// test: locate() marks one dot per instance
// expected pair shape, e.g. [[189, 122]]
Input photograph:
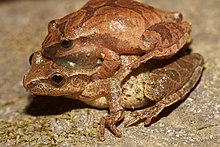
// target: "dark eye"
[[30, 58], [66, 43], [57, 79]]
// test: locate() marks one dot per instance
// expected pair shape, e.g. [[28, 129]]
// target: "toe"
[[130, 122]]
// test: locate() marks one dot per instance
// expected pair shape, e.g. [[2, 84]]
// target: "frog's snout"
[[30, 84]]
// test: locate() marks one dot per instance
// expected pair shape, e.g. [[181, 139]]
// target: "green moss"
[[38, 131]]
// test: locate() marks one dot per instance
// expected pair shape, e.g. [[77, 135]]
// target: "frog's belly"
[[126, 102], [132, 92]]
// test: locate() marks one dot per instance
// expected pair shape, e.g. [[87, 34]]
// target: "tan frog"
[[163, 82], [103, 30]]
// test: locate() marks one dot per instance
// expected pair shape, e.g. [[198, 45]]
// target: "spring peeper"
[[103, 30], [163, 82]]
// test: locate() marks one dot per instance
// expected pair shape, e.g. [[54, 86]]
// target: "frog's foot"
[[109, 122], [145, 115]]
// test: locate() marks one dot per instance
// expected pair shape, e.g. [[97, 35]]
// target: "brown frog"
[[163, 82], [103, 30]]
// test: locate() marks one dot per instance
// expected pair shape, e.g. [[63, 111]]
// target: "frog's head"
[[81, 52], [68, 42], [47, 78]]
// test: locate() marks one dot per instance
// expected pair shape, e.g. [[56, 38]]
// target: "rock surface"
[[44, 121]]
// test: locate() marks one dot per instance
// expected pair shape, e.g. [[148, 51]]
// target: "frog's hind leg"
[[148, 113], [163, 40]]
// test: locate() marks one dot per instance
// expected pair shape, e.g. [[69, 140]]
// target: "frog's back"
[[124, 19]]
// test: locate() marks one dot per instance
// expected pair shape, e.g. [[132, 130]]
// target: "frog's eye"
[[30, 58], [57, 79], [66, 43]]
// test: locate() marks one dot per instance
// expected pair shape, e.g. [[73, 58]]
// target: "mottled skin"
[[103, 30], [164, 82]]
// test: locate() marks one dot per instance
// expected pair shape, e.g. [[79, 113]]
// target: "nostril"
[[53, 23]]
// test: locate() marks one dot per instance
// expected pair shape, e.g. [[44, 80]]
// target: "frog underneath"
[[164, 82]]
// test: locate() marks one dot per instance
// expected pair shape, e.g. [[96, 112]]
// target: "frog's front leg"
[[116, 114], [163, 40], [169, 85], [110, 89], [110, 64]]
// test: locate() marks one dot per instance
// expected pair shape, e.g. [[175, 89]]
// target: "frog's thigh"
[[185, 89], [163, 40], [174, 77], [176, 96], [166, 38]]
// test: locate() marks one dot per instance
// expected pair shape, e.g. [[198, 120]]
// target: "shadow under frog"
[[46, 105]]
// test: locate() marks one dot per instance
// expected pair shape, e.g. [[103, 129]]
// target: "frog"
[[103, 30], [161, 82]]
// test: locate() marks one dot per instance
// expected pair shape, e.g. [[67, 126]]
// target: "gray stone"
[[44, 121]]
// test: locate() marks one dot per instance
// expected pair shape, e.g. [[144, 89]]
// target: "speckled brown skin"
[[107, 29], [168, 85], [164, 82]]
